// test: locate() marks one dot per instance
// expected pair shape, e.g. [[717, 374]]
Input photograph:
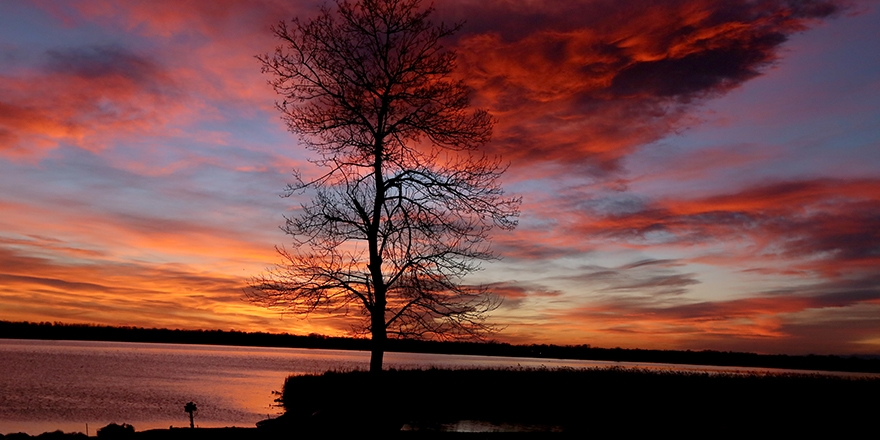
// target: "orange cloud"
[[141, 294], [827, 317]]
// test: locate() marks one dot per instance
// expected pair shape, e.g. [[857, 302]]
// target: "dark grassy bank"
[[60, 331], [607, 401]]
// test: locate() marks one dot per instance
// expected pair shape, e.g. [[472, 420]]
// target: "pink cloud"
[[86, 97]]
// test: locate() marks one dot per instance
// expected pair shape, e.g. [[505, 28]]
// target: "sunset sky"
[[695, 174]]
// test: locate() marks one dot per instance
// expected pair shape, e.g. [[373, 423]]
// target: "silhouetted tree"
[[190, 407], [404, 204], [114, 431]]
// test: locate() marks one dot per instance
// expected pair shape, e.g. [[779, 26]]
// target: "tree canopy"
[[403, 204]]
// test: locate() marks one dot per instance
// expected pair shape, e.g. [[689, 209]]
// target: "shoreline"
[[869, 363], [709, 358]]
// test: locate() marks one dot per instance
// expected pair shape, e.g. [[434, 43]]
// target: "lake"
[[69, 385], [49, 385]]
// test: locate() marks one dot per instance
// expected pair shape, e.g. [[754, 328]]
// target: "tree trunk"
[[377, 314], [379, 336]]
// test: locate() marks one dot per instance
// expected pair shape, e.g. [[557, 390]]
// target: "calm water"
[[49, 385]]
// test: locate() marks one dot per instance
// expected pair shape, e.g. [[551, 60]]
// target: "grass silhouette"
[[608, 400]]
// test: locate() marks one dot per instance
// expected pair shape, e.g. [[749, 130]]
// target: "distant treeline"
[[88, 332]]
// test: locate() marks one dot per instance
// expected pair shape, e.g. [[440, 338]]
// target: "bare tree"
[[403, 207]]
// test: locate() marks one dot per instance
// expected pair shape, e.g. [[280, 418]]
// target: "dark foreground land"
[[608, 401], [558, 404]]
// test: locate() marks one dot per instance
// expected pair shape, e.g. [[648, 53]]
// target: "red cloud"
[[579, 84], [584, 83]]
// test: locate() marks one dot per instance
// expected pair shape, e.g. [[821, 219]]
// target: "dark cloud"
[[649, 278], [525, 244], [675, 284], [584, 83], [650, 262], [709, 72], [727, 45], [837, 292], [513, 293], [54, 283], [824, 225], [848, 233], [100, 61]]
